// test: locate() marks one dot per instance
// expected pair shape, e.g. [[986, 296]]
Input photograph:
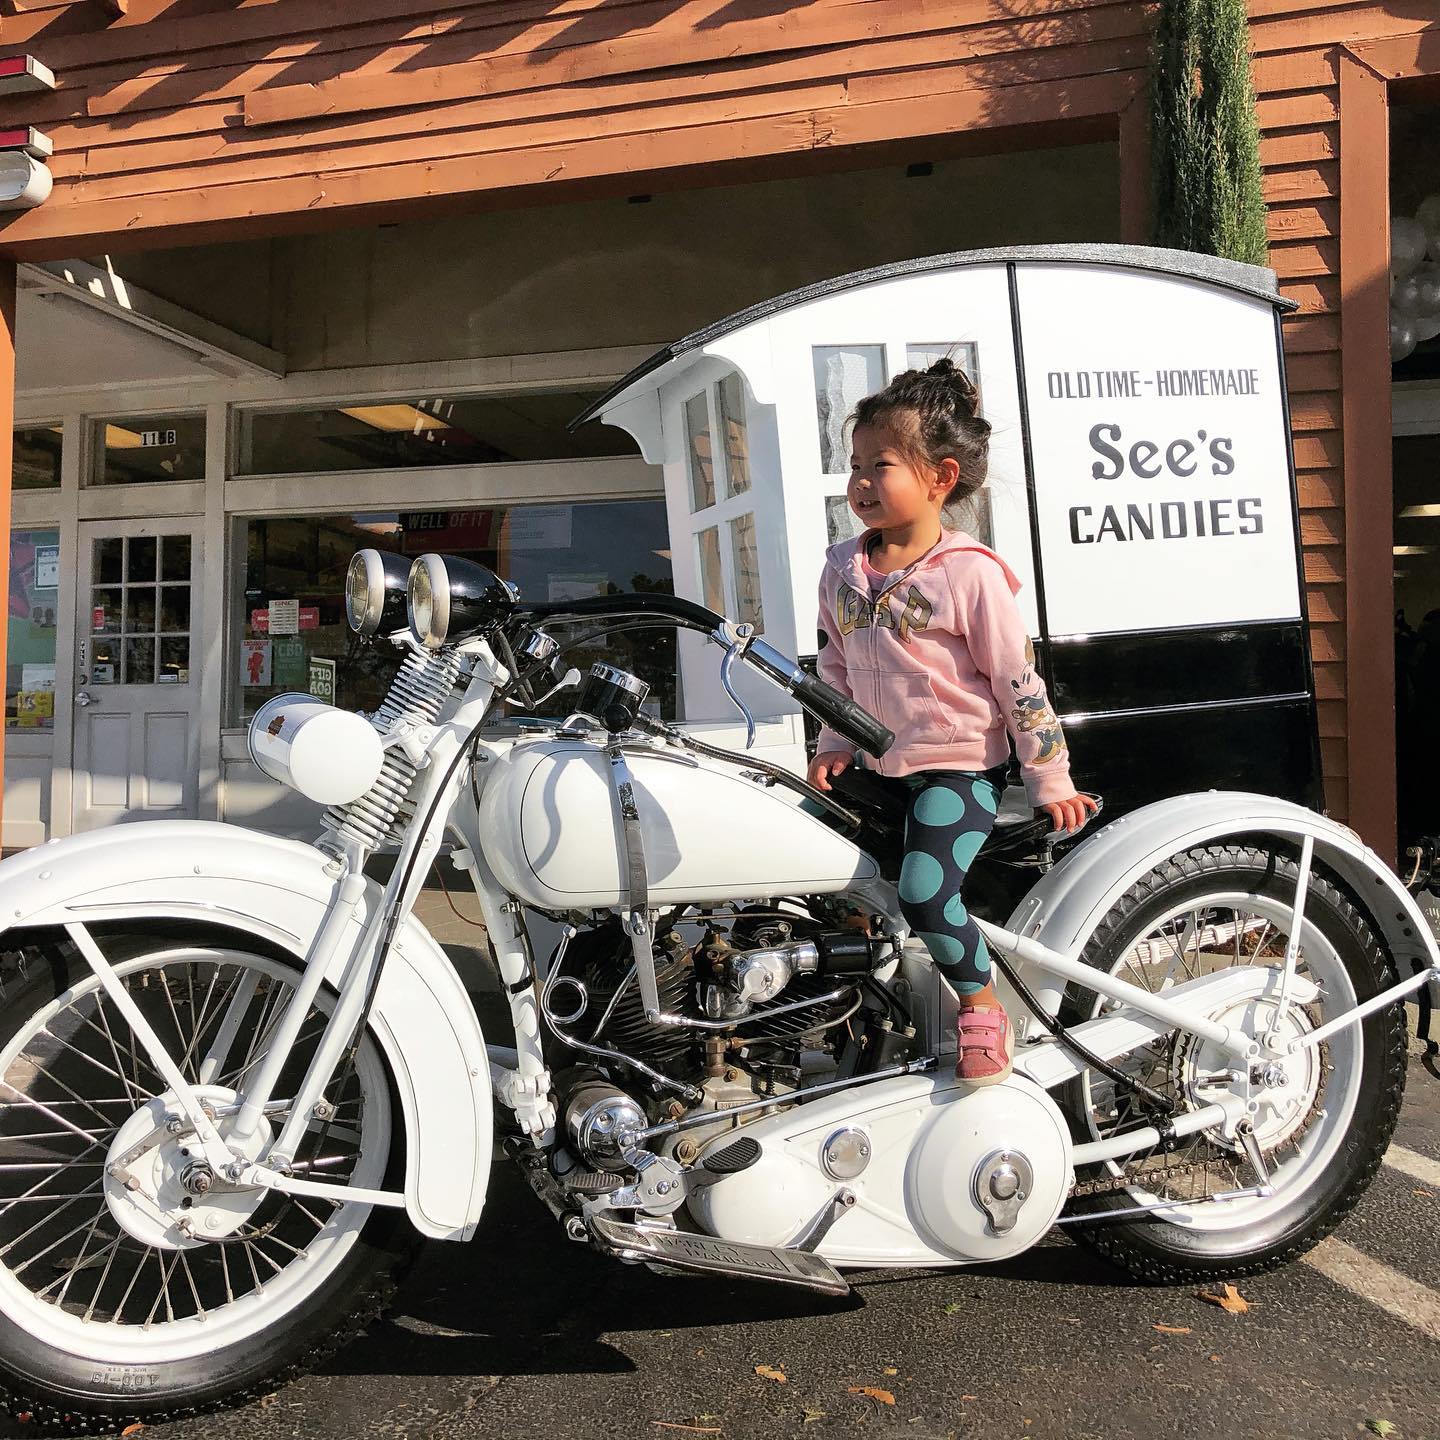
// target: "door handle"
[[82, 699]]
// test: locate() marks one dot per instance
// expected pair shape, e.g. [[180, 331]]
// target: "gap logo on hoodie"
[[854, 611]]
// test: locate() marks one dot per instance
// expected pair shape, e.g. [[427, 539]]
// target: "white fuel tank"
[[553, 835]]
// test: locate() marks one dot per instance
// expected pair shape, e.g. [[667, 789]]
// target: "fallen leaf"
[[771, 1373], [269, 1399], [1380, 1427], [1424, 1194], [134, 1429], [1173, 1329], [883, 1396], [969, 1397], [891, 1370], [694, 1429], [1228, 1299], [811, 1413], [1216, 1359]]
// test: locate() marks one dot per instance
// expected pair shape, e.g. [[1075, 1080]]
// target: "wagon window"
[[712, 579], [700, 452], [844, 375], [962, 352], [745, 561], [730, 408]]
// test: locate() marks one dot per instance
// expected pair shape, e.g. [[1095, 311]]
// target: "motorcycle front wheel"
[[107, 1317], [1321, 1131]]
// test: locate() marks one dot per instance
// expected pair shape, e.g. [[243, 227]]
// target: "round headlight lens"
[[364, 592], [428, 600]]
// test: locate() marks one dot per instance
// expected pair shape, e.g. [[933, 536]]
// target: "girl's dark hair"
[[934, 415]]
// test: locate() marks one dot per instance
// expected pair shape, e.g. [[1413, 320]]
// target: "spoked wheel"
[[134, 1283], [1322, 1116]]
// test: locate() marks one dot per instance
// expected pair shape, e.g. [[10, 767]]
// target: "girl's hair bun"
[[957, 379]]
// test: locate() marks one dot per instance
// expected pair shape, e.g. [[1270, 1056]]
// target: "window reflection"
[[294, 631]]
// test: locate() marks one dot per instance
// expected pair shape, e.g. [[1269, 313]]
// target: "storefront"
[[410, 250]]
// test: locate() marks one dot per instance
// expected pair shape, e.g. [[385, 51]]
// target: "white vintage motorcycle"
[[237, 1077]]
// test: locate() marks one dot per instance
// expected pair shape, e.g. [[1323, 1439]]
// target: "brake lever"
[[727, 666]]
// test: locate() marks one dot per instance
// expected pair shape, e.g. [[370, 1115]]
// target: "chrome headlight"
[[451, 599], [427, 600], [375, 592]]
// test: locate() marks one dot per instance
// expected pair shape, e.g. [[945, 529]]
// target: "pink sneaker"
[[986, 1045]]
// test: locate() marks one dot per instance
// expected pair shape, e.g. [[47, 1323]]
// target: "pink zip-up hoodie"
[[941, 656]]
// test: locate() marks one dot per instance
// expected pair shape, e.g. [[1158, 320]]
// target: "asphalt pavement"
[[523, 1335]]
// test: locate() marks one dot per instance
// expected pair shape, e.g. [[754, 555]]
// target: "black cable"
[[1156, 1100]]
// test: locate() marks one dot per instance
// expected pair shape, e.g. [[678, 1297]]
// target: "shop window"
[[700, 452], [30, 636], [293, 634], [141, 449], [36, 458], [424, 431], [844, 375]]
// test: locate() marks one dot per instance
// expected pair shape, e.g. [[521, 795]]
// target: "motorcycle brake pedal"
[[732, 1159]]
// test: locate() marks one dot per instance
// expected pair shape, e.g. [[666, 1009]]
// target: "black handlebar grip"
[[842, 714]]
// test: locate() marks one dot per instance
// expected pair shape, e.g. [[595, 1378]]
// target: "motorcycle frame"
[[1063, 908]]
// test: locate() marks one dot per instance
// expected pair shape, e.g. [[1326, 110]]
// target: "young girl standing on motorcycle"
[[919, 625]]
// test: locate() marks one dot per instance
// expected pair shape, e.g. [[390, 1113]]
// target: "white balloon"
[[1427, 279], [1407, 244], [1405, 294], [1427, 327], [1402, 337]]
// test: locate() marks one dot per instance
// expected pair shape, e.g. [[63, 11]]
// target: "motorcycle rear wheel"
[[98, 1328], [1181, 919]]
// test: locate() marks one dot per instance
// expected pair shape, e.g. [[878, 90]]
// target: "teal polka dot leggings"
[[950, 813]]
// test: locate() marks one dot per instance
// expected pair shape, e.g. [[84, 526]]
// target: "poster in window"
[[288, 662], [255, 662]]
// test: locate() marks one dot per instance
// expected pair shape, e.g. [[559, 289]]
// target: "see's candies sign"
[[1159, 452]]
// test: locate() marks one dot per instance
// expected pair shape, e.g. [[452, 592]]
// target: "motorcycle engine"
[[769, 990]]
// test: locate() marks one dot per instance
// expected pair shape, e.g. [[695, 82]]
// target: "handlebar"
[[828, 705]]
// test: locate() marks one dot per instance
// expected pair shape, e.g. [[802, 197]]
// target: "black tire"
[[43, 1383], [1160, 1252]]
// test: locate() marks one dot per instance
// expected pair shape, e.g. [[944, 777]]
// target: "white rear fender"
[[278, 890], [1068, 904]]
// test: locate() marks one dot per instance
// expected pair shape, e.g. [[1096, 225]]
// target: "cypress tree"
[[1205, 137]]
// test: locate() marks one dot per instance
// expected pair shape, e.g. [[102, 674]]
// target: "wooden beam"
[[580, 168], [1369, 523]]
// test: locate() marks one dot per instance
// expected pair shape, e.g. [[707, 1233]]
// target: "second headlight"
[[450, 599]]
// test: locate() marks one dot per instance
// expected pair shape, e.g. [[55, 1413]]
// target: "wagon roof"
[[1252, 280]]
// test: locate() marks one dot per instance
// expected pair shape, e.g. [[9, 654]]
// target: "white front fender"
[[1067, 905], [222, 875]]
